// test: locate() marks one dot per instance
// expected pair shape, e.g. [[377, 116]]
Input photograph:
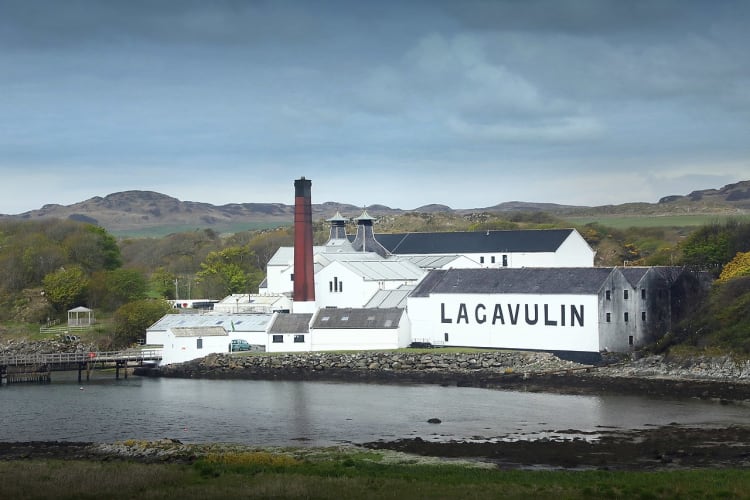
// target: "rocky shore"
[[723, 378]]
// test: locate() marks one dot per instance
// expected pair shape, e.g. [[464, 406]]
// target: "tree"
[[65, 287], [228, 271], [111, 289], [737, 267], [162, 283], [132, 319]]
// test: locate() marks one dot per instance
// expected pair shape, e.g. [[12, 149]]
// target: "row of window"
[[335, 285], [492, 260], [279, 339], [625, 294], [625, 317]]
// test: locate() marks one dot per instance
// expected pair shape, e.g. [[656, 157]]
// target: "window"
[[446, 336], [492, 259], [608, 295], [505, 261], [278, 339], [630, 340], [625, 316], [481, 260], [199, 344], [609, 317], [643, 293], [344, 318], [335, 285], [291, 276], [298, 339], [624, 294], [643, 316]]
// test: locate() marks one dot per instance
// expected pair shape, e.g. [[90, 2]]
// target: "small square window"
[[505, 261], [608, 295], [492, 259], [643, 293], [291, 277], [325, 318], [298, 339], [199, 344], [630, 340], [278, 339], [624, 294], [344, 318], [481, 260], [609, 317], [625, 316], [643, 316]]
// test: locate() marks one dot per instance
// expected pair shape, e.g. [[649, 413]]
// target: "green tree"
[[132, 319], [65, 287], [232, 270], [162, 283], [111, 289]]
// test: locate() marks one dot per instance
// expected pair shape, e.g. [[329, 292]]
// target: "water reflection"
[[319, 413]]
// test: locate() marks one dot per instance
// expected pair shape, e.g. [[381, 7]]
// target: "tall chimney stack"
[[304, 280]]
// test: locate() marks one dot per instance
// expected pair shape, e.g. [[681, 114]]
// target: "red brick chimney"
[[304, 281]]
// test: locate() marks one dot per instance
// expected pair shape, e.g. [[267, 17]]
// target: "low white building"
[[289, 332], [249, 327], [353, 329], [185, 343], [244, 303]]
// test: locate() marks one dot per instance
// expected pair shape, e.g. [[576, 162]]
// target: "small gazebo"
[[80, 316]]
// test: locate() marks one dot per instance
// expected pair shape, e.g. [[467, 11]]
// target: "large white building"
[[519, 289]]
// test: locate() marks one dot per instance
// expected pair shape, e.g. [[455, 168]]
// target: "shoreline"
[[719, 378]]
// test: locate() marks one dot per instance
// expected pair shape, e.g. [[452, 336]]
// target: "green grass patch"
[[161, 231], [261, 476]]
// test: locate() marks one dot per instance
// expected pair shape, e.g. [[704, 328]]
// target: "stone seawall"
[[368, 364], [712, 378]]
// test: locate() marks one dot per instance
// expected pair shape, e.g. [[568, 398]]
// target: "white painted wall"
[[288, 344], [356, 291], [574, 252], [350, 339], [429, 318], [181, 349]]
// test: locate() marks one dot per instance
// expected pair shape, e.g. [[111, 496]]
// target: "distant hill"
[[141, 212]]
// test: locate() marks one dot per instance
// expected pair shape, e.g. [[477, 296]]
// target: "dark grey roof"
[[358, 318], [559, 280], [291, 323], [461, 242], [634, 274]]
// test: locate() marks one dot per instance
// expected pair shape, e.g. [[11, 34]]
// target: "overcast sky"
[[404, 103]]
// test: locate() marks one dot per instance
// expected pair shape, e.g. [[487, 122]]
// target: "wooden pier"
[[37, 368]]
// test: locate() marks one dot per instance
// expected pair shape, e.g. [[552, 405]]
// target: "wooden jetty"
[[15, 368]]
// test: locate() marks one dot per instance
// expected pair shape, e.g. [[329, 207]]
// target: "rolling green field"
[[624, 222]]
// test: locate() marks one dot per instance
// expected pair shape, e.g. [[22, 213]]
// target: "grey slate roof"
[[358, 318], [291, 323], [564, 280], [634, 274], [526, 240]]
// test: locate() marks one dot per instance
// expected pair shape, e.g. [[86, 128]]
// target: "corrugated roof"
[[390, 298], [284, 256], [199, 331], [386, 270], [241, 322], [525, 240], [291, 323], [429, 261], [570, 280], [358, 318]]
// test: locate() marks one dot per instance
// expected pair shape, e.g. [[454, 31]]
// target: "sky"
[[404, 103]]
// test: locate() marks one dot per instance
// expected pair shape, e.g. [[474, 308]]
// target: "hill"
[[149, 213]]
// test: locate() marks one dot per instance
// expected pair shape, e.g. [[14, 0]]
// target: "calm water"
[[319, 413]]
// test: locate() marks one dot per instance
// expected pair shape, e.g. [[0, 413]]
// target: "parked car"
[[239, 345]]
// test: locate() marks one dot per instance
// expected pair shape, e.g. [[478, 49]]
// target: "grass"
[[354, 475], [628, 221]]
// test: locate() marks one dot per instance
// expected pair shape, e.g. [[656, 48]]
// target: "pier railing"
[[66, 358]]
